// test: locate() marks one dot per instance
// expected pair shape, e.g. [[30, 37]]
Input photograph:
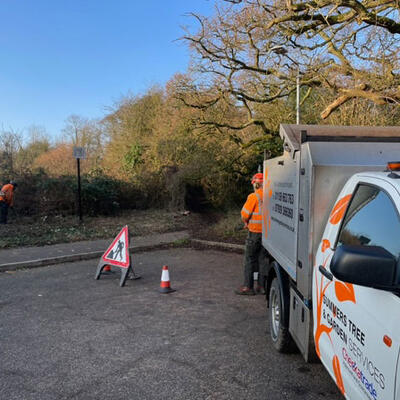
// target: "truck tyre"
[[279, 329]]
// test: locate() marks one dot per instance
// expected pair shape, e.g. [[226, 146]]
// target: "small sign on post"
[[117, 255], [79, 152]]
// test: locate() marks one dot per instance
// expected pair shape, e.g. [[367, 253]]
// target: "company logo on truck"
[[363, 381], [340, 322], [362, 368]]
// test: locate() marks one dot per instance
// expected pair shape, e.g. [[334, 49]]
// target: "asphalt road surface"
[[64, 335]]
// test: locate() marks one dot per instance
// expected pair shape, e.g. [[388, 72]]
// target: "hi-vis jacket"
[[252, 211], [7, 194]]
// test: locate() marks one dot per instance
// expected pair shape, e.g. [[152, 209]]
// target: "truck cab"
[[331, 233], [356, 303]]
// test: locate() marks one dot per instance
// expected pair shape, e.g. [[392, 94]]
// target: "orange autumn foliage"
[[58, 161]]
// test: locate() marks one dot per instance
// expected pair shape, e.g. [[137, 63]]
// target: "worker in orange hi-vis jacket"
[[6, 200], [252, 217]]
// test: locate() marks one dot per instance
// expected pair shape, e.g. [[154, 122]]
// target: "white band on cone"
[[165, 275]]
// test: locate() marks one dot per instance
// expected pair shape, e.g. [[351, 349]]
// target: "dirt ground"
[[28, 231]]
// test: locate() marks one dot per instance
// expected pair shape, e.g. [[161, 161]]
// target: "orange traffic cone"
[[165, 284]]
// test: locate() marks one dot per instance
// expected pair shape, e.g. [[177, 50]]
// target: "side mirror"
[[370, 266]]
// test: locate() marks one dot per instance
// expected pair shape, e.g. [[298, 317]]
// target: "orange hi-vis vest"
[[7, 194], [252, 211]]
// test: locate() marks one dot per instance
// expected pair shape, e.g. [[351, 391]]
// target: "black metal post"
[[79, 190]]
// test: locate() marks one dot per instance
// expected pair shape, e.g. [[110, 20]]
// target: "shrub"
[[39, 194], [100, 195]]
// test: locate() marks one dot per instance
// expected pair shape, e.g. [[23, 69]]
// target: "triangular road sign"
[[118, 255], [118, 252]]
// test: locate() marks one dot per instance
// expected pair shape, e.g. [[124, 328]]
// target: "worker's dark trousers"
[[252, 252], [3, 212]]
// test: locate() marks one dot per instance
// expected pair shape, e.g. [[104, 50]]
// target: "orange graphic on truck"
[[266, 198], [320, 327], [345, 291], [339, 210], [338, 374]]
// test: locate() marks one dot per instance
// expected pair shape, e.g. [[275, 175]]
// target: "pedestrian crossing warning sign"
[[118, 252], [117, 255]]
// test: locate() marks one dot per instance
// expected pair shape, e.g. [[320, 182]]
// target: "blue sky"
[[63, 57]]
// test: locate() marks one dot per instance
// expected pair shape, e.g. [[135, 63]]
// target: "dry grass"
[[25, 231], [226, 227], [50, 230]]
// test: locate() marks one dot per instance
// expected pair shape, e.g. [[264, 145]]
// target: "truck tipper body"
[[331, 231]]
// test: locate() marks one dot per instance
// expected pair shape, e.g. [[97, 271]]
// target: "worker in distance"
[[6, 200], [252, 218]]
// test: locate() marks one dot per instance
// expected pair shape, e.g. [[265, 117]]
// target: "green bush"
[[38, 194], [56, 195], [100, 195]]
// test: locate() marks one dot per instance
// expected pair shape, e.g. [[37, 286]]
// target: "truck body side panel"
[[333, 164], [280, 210], [304, 239]]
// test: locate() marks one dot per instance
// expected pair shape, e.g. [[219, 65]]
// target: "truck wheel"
[[279, 332]]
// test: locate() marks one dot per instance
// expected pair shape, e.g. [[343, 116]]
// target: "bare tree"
[[86, 133], [37, 142], [251, 52], [74, 129], [36, 134], [10, 144]]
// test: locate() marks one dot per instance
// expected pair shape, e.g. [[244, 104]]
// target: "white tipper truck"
[[331, 233]]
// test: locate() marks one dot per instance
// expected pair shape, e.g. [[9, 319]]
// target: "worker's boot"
[[245, 291]]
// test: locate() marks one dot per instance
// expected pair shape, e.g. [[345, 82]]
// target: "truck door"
[[356, 329]]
